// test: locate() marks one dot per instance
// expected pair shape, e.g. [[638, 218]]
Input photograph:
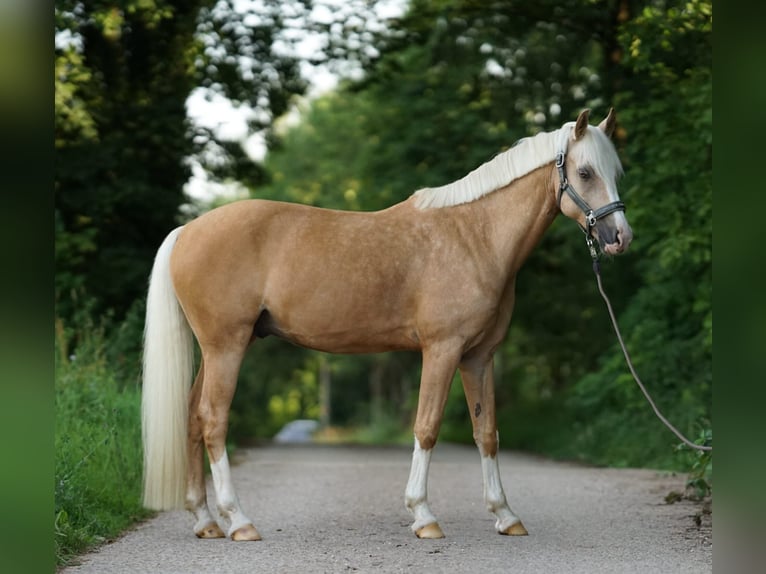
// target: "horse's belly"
[[353, 342], [363, 338], [341, 328]]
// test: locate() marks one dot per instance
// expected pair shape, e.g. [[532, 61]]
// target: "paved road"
[[340, 509]]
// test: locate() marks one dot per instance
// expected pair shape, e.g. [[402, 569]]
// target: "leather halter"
[[591, 215]]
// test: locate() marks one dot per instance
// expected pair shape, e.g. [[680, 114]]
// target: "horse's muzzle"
[[613, 237]]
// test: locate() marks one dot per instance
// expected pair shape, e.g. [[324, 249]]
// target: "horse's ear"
[[607, 126], [582, 124]]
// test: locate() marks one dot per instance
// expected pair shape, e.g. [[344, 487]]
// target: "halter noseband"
[[591, 216]]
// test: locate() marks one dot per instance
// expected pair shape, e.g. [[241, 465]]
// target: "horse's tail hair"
[[167, 373]]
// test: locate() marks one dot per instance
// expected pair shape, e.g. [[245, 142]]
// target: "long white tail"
[[168, 371]]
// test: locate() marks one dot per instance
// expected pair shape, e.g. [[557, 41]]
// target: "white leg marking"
[[197, 505], [228, 503], [494, 496], [416, 494]]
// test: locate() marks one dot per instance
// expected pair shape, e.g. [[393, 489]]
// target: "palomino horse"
[[434, 273]]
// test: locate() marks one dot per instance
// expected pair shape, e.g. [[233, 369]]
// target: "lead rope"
[[597, 271]]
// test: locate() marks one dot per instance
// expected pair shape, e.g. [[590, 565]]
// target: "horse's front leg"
[[439, 364], [221, 370], [478, 384]]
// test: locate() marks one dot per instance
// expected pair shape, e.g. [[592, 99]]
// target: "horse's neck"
[[519, 215]]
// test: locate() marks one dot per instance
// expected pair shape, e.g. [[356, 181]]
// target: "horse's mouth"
[[613, 248], [619, 244]]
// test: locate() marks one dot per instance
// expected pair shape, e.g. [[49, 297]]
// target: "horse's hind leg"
[[196, 495], [222, 363], [478, 384]]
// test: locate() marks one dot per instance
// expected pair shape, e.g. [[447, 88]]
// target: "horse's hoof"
[[430, 531], [211, 530], [515, 529], [247, 532]]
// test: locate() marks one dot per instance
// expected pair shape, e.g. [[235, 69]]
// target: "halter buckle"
[[560, 159], [591, 247]]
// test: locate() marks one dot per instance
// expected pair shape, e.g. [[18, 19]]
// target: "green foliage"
[[385, 429], [700, 480], [667, 114], [98, 456], [121, 83], [123, 73], [319, 170], [274, 387]]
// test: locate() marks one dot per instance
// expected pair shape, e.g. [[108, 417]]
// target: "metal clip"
[[560, 159], [591, 248]]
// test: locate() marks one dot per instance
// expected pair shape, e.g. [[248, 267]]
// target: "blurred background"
[[165, 109]]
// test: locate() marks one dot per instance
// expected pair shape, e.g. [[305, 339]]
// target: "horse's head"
[[588, 170]]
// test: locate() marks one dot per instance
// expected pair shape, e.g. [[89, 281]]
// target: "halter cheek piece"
[[591, 216]]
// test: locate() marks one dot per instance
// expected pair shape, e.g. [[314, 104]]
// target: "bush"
[[98, 456]]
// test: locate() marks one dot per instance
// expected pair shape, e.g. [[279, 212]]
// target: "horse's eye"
[[584, 173]]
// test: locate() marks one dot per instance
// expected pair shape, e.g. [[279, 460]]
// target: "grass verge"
[[98, 456]]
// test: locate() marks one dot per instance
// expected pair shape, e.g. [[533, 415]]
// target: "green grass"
[[98, 456]]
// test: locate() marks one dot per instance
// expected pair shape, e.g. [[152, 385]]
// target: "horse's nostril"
[[622, 239]]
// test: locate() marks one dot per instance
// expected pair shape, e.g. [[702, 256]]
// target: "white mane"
[[527, 155]]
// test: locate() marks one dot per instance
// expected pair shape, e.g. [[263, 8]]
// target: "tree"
[[123, 72]]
